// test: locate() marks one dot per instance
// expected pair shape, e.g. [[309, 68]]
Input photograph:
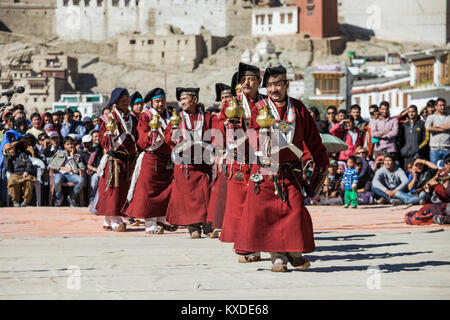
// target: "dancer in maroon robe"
[[238, 167], [150, 187], [275, 218], [117, 136], [192, 176], [217, 201]]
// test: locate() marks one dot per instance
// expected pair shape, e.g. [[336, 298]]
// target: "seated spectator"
[[56, 117], [72, 126], [21, 126], [53, 147], [36, 125], [43, 142], [68, 167], [88, 125], [96, 122], [441, 181], [350, 134], [22, 178], [422, 171], [85, 149], [331, 194], [364, 153], [365, 176], [350, 183], [390, 183], [378, 164]]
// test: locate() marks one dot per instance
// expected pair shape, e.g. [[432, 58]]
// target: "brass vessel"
[[234, 110], [175, 119], [111, 125], [155, 124], [265, 119]]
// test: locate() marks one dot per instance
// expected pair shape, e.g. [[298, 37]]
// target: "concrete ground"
[[367, 253]]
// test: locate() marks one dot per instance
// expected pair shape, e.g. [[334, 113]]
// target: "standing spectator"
[[315, 114], [68, 167], [36, 129], [413, 137], [77, 115], [385, 129], [350, 134], [341, 115], [22, 178], [350, 184], [72, 126], [431, 107], [88, 125], [360, 123], [369, 141], [390, 183], [331, 117], [438, 124]]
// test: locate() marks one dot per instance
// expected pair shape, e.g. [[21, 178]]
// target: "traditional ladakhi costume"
[[149, 193], [116, 166], [275, 218], [238, 169], [191, 182]]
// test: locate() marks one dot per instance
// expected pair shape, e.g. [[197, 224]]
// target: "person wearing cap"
[[191, 187], [53, 147], [275, 218], [117, 137], [149, 193], [88, 125], [248, 78], [72, 126], [96, 121], [136, 105], [68, 167], [217, 201]]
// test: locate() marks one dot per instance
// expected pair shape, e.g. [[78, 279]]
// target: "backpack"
[[421, 217]]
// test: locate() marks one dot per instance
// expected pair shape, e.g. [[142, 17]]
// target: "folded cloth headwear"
[[221, 89], [272, 72], [116, 94], [248, 70], [154, 94], [135, 98], [187, 91]]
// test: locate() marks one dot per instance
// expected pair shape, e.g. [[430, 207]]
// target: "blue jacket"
[[349, 178]]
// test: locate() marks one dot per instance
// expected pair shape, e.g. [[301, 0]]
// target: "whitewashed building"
[[87, 104], [99, 20], [275, 21]]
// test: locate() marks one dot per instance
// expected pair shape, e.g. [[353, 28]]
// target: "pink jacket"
[[342, 133]]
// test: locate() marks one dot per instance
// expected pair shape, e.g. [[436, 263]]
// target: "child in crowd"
[[350, 183]]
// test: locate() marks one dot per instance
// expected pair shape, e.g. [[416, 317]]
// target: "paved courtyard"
[[368, 253]]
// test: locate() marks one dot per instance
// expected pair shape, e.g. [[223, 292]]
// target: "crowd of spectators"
[[389, 160]]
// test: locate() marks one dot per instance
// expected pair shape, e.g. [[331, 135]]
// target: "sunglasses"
[[331, 112]]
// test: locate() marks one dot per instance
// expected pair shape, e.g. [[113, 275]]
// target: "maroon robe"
[[236, 190], [112, 199], [190, 195], [153, 187], [268, 224]]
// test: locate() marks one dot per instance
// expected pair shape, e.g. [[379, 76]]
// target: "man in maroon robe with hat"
[[117, 136], [191, 185], [275, 218], [217, 201], [249, 77], [149, 193]]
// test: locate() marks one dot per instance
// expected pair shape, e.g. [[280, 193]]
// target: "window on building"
[[290, 18], [127, 3], [424, 71], [149, 42], [162, 54], [445, 79], [132, 41], [405, 100], [185, 42], [115, 3], [269, 18], [86, 3], [137, 3], [65, 3], [325, 86], [282, 17], [99, 3], [358, 100], [310, 8], [178, 42], [262, 19], [35, 99]]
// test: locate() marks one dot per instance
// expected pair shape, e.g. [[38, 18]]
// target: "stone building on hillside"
[[44, 79], [99, 20]]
